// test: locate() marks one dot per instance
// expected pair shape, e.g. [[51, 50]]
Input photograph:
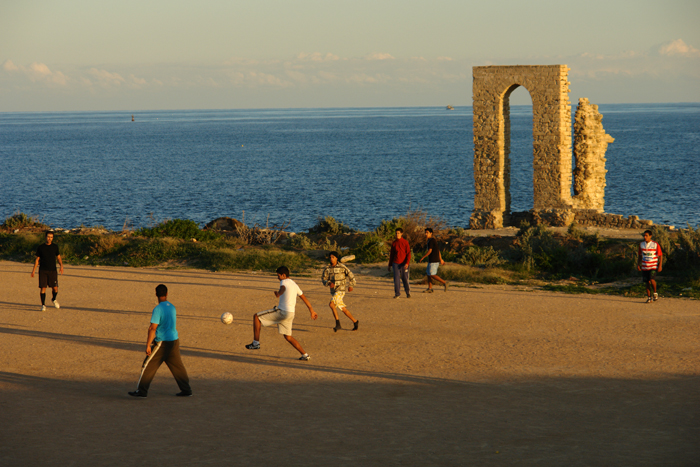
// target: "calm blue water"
[[358, 165]]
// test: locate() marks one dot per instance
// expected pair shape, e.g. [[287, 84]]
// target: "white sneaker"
[[43, 307], [305, 357], [55, 303], [656, 296]]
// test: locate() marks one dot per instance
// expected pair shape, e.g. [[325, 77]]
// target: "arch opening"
[[518, 149]]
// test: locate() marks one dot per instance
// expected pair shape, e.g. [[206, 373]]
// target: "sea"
[[293, 166]]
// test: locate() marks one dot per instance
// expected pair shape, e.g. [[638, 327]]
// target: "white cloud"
[[137, 83], [317, 57], [9, 66], [445, 59], [37, 73], [678, 48], [105, 78], [379, 56]]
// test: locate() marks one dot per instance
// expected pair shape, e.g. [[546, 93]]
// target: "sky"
[[73, 55]]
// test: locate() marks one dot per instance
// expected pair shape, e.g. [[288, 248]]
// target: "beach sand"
[[489, 375]]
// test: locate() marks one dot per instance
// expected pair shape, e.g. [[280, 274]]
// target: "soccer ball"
[[227, 318]]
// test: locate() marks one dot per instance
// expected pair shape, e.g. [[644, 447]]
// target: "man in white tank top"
[[649, 259]]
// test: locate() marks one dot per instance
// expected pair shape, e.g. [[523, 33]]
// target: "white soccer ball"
[[227, 318]]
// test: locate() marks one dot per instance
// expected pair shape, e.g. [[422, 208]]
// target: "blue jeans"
[[400, 274]]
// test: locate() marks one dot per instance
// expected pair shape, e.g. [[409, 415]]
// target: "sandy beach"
[[488, 375]]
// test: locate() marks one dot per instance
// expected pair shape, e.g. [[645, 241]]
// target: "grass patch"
[[571, 289], [226, 259], [178, 228], [460, 273]]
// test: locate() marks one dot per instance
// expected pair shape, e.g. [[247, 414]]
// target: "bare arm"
[[308, 305], [427, 254], [442, 263], [279, 292], [60, 262], [151, 335], [36, 263]]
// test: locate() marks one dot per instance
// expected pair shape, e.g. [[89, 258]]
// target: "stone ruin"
[[552, 163]]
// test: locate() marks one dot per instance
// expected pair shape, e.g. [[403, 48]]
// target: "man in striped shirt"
[[649, 261]]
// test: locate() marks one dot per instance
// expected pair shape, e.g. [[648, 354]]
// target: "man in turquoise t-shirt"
[[163, 345]]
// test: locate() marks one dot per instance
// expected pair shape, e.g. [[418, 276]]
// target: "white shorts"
[[277, 316]]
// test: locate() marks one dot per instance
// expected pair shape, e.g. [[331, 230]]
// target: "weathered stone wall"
[[549, 87], [583, 217], [617, 221], [590, 144]]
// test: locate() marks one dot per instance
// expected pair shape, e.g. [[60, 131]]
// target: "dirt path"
[[475, 376]]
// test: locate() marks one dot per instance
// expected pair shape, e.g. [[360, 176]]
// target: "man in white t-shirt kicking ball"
[[283, 314]]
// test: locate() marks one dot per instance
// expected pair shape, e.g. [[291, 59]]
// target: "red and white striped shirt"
[[650, 253]]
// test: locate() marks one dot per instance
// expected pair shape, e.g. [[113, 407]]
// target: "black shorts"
[[649, 276], [48, 279]]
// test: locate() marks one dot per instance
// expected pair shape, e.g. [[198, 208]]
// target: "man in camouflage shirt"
[[338, 277]]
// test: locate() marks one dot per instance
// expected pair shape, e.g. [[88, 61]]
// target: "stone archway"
[[549, 89]]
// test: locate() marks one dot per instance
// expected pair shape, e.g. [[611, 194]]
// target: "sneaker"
[[397, 296], [305, 357], [137, 394], [355, 325], [184, 394], [56, 305], [253, 346], [337, 327], [656, 296], [408, 295], [445, 286], [648, 300], [43, 307], [428, 291]]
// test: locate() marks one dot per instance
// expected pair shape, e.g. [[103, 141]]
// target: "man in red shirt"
[[399, 261]]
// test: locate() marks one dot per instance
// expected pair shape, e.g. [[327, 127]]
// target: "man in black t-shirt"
[[46, 256], [434, 260]]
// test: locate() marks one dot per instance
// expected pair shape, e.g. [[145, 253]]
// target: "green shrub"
[[178, 228], [20, 220], [539, 250], [660, 235], [486, 257], [372, 249], [20, 247], [330, 226], [387, 229], [141, 252], [222, 259], [685, 259], [413, 224], [301, 242]]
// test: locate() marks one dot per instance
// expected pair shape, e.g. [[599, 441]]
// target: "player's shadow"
[[170, 284]]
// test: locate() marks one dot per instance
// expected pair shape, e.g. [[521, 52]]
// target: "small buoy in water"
[[132, 118]]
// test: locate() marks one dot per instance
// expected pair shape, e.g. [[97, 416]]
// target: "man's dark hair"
[[399, 230], [49, 232], [649, 232], [334, 253], [161, 291], [283, 270], [429, 229]]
